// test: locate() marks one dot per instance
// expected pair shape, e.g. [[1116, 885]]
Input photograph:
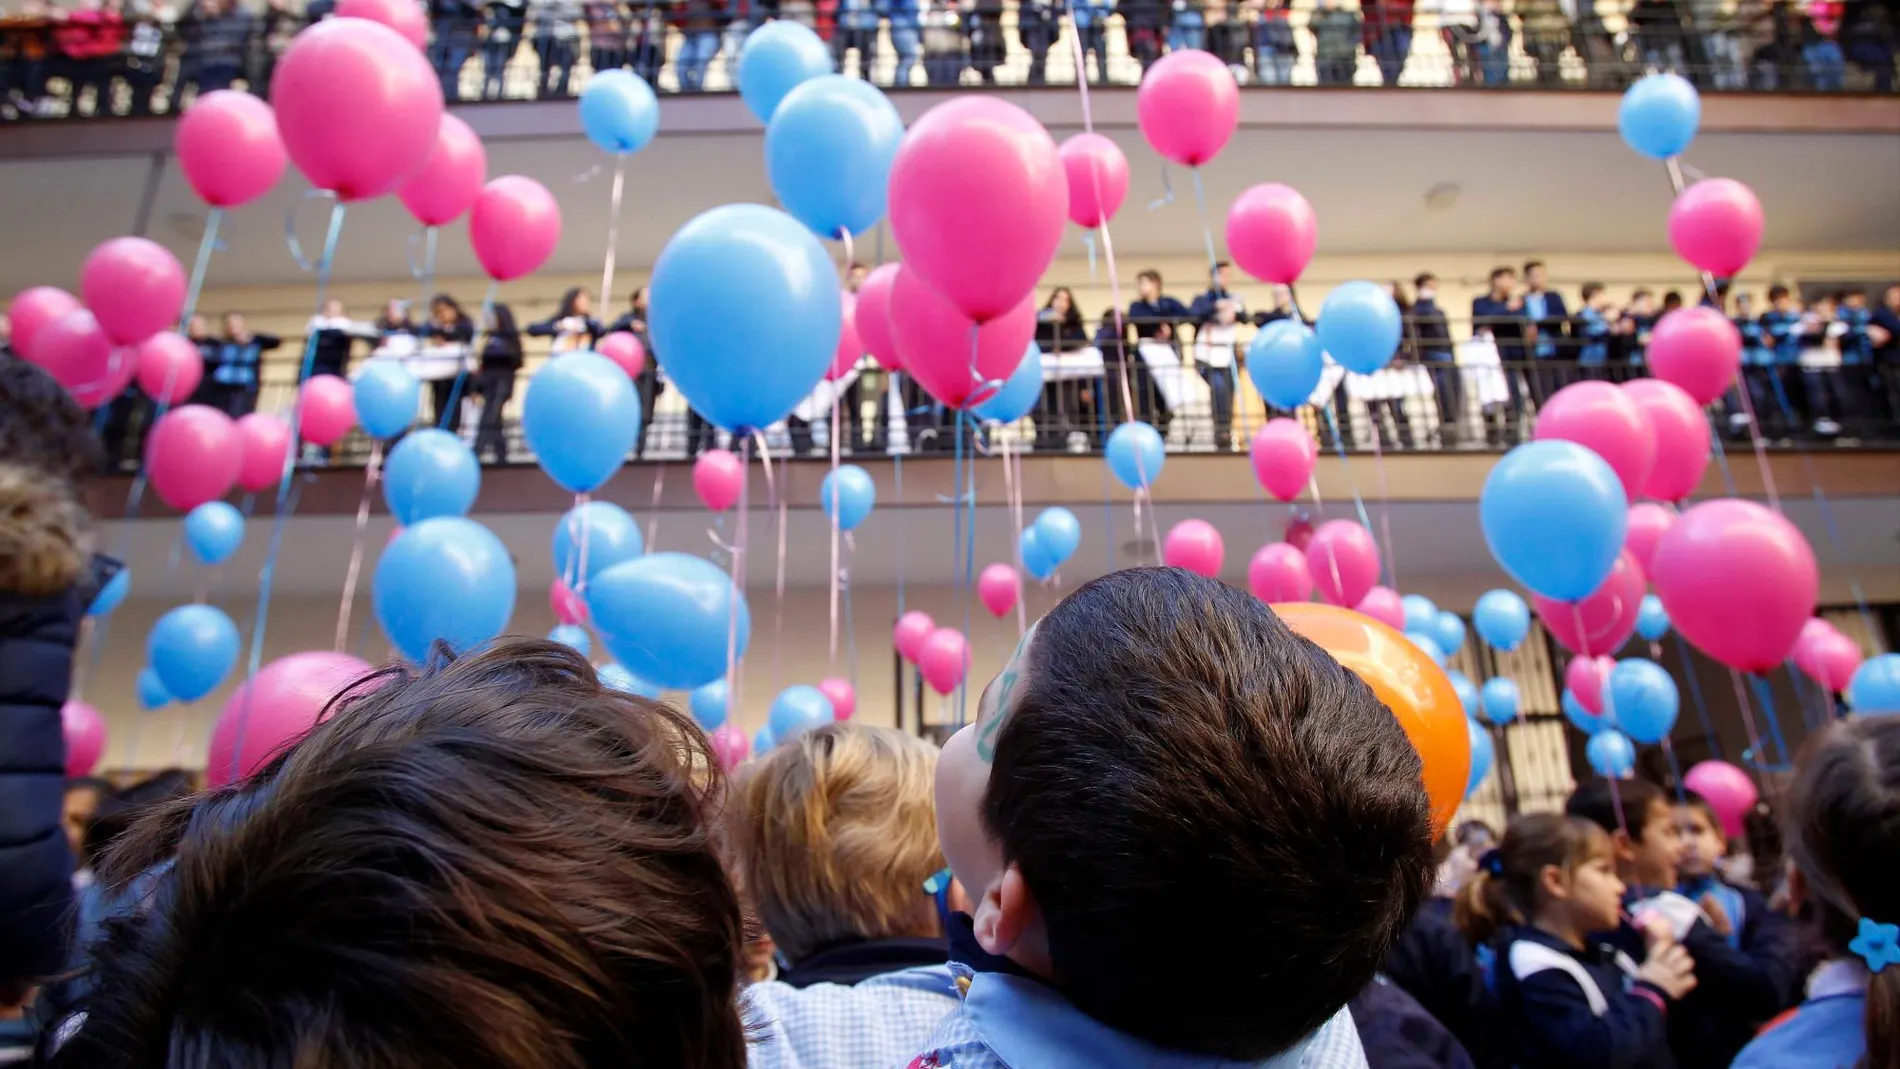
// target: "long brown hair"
[[1504, 889], [1843, 836]]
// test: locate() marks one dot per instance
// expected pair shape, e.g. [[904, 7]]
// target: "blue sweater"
[[1554, 1021]]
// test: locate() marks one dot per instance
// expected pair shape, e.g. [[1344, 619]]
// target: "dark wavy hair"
[[41, 426]]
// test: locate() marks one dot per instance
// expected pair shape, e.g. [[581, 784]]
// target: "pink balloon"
[[1586, 677], [1716, 225], [77, 353], [358, 107], [1603, 621], [32, 310], [134, 287], [910, 632], [264, 442], [1299, 530], [850, 349], [978, 199], [514, 227], [1271, 232], [448, 183], [729, 745], [933, 342], [1283, 454], [1188, 106], [1097, 173], [1697, 349], [1826, 655], [997, 588], [1383, 604], [1343, 560], [944, 659], [169, 367], [1194, 545], [844, 696], [718, 476], [229, 148], [1682, 438], [406, 17], [1738, 580], [569, 607], [85, 732], [1278, 573], [274, 710], [1727, 789], [623, 347], [326, 409], [192, 456], [1648, 522], [1608, 422], [872, 315]]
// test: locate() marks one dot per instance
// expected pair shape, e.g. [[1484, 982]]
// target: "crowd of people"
[[135, 57], [1174, 833]]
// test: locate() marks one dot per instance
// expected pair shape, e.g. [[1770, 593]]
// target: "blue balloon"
[[447, 579], [790, 289], [762, 742], [1500, 700], [618, 111], [616, 677], [709, 704], [1135, 454], [1874, 689], [847, 495], [1611, 754], [214, 531], [1037, 560], [386, 397], [777, 58], [1285, 362], [1429, 644], [1643, 699], [1586, 721], [1058, 533], [111, 594], [572, 635], [1554, 516], [1359, 326], [1502, 619], [666, 616], [192, 649], [1659, 115], [1467, 692], [581, 418], [1448, 631], [610, 533], [798, 709], [430, 473], [828, 153], [1018, 394], [1652, 620], [1483, 754], [1420, 612], [152, 692]]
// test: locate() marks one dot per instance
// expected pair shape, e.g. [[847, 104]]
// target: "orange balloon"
[[1417, 691]]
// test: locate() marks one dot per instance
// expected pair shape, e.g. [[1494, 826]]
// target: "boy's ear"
[[1006, 909], [1624, 845]]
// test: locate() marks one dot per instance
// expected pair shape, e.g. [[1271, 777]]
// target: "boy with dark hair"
[[1190, 837], [1736, 991], [1738, 914], [493, 863]]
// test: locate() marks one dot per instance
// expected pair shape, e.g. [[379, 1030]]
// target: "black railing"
[[92, 64]]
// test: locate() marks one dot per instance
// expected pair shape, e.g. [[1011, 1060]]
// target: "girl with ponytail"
[[1844, 842]]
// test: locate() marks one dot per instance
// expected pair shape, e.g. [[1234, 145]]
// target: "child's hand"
[[1669, 968], [1658, 934], [1718, 917]]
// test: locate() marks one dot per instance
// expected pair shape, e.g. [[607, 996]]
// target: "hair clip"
[[1878, 944], [1492, 862]]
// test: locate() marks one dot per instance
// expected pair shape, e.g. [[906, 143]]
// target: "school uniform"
[[1564, 1008], [1397, 1032], [1434, 963], [1825, 1032], [862, 1004], [231, 372]]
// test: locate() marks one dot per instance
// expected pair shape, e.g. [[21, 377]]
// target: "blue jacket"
[[1586, 1014], [235, 363], [1857, 347], [1782, 331], [1397, 1032], [1755, 350], [1506, 325], [1593, 332], [1091, 12], [1551, 325]]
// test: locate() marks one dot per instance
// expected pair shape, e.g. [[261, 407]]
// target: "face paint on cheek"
[[1005, 685]]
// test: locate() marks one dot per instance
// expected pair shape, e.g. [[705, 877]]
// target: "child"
[[1818, 335], [1566, 999], [493, 863], [1737, 989], [1844, 836], [1738, 914], [1594, 328], [1189, 836]]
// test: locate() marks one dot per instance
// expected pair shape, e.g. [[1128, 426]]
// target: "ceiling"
[[1492, 190]]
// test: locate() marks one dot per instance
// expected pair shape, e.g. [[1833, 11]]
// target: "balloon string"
[[1207, 227], [737, 558], [1675, 769], [425, 272], [579, 585], [1755, 754], [303, 262], [836, 409], [653, 509], [897, 467], [1167, 191], [957, 534], [1013, 489], [1695, 695], [1834, 541], [1385, 513], [613, 231], [1766, 695], [1108, 244], [1608, 712], [461, 373], [781, 498], [356, 547], [1721, 461], [969, 574], [1345, 465], [206, 244], [1808, 710]]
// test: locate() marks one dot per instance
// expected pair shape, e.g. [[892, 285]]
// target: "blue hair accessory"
[[1492, 862], [1878, 944]]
